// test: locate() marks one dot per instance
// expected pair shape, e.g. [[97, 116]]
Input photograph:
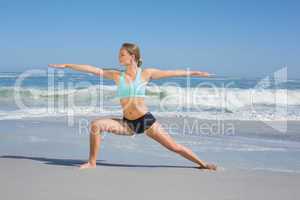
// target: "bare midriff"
[[133, 107]]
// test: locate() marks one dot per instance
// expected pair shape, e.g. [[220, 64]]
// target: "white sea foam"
[[217, 97], [204, 103]]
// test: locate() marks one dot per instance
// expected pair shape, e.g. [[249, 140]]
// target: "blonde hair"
[[133, 49]]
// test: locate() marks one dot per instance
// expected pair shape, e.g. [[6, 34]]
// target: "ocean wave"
[[37, 112], [45, 112], [206, 103], [172, 95], [7, 76]]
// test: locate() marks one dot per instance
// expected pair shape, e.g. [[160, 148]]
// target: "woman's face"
[[125, 58]]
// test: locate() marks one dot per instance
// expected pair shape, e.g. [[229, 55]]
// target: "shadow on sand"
[[73, 162]]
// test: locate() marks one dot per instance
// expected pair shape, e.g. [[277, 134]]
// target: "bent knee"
[[96, 126]]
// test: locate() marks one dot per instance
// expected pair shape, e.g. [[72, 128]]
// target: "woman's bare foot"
[[87, 165], [209, 167]]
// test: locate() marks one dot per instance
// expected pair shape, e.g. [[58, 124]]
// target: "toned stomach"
[[133, 107]]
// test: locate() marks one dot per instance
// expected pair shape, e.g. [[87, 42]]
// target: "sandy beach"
[[52, 178], [40, 158]]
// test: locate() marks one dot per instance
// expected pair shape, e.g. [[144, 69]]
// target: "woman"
[[131, 92]]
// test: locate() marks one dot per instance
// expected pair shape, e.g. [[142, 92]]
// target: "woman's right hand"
[[58, 65]]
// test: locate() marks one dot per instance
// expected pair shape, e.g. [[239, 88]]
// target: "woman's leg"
[[157, 133], [113, 125]]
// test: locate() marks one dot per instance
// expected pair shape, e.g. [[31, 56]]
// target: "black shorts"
[[140, 124]]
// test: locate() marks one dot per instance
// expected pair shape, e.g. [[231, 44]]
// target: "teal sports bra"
[[135, 89]]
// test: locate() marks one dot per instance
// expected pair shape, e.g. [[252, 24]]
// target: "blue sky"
[[229, 38]]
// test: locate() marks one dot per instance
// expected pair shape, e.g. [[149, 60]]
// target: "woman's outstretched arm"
[[109, 74], [154, 73]]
